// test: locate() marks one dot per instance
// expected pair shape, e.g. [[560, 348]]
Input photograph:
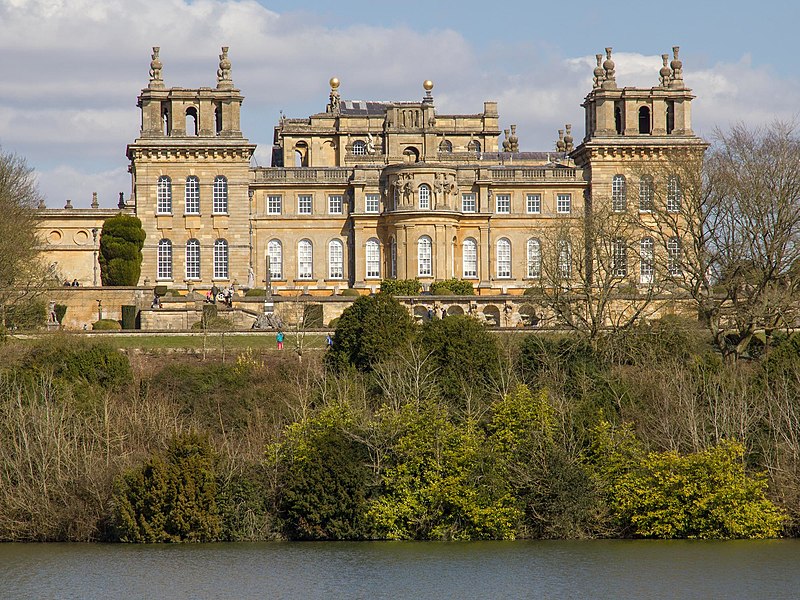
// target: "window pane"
[[373, 252], [620, 258], [468, 203], [192, 196], [424, 262], [335, 260], [674, 256], [618, 194], [503, 203], [673, 194], [335, 205], [220, 259], [304, 204], [424, 196], [275, 252], [470, 258], [646, 260], [192, 259], [503, 258], [220, 203], [274, 205], [533, 204], [305, 262], [564, 203], [372, 203], [164, 259], [534, 258], [646, 194], [164, 195]]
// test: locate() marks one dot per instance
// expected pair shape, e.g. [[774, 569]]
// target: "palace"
[[364, 191]]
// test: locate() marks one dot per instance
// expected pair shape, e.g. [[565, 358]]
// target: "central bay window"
[[373, 253], [424, 257], [503, 258], [305, 259], [164, 195], [469, 256], [275, 253], [191, 197], [335, 259], [220, 259], [164, 259], [220, 199], [424, 195], [193, 259]]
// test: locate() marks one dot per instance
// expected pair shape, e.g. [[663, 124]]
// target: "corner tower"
[[190, 176]]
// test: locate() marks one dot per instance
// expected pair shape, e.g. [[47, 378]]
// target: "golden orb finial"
[[334, 82], [428, 85]]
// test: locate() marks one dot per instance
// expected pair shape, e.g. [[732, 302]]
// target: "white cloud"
[[66, 182]]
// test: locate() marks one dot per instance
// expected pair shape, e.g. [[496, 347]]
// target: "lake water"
[[615, 569]]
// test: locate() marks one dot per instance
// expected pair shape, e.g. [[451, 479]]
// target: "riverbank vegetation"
[[400, 431]]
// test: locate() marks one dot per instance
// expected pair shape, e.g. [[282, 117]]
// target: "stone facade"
[[364, 191]]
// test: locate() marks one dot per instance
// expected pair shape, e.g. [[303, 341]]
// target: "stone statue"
[[506, 143], [251, 277], [370, 144], [155, 69], [224, 71]]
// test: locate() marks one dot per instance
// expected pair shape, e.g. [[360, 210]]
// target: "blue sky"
[[72, 68]]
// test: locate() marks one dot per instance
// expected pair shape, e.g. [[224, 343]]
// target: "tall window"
[[446, 146], [646, 192], [644, 120], [274, 204], [335, 260], [534, 259], [164, 195], [468, 203], [646, 260], [373, 252], [275, 253], [533, 204], [220, 204], [619, 259], [424, 257], [372, 203], [424, 194], [359, 148], [393, 259], [619, 196], [564, 204], [503, 204], [220, 259], [564, 259], [674, 256], [164, 259], [193, 259], [470, 258], [191, 195], [503, 258], [673, 194], [304, 203], [305, 260], [335, 205]]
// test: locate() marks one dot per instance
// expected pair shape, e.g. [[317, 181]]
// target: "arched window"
[[646, 192], [424, 194], [446, 147], [673, 194], [619, 258], [193, 259], [393, 257], [424, 257], [164, 259], [670, 116], [469, 258], [164, 195], [305, 260], [646, 260], [191, 121], [564, 259], [474, 146], [503, 258], [674, 256], [275, 253], [191, 196], [359, 148], [619, 194], [618, 119], [411, 154], [166, 125], [301, 154], [335, 259], [373, 253], [220, 205], [534, 259], [218, 119], [220, 259], [644, 119]]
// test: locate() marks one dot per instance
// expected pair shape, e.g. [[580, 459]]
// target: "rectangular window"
[[533, 204], [372, 203], [304, 204], [334, 205], [674, 256], [620, 258], [193, 260], [468, 204], [564, 204], [165, 261], [503, 204], [274, 205]]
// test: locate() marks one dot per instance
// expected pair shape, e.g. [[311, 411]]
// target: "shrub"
[[452, 287], [120, 257], [28, 314], [254, 292], [171, 497], [106, 325], [213, 324], [61, 311], [333, 322], [349, 292], [80, 360], [401, 287]]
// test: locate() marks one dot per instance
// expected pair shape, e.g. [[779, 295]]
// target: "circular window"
[[54, 237], [81, 237]]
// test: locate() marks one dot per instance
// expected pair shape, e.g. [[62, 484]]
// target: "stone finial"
[[68, 204], [569, 146], [513, 140], [560, 144], [599, 72], [224, 80], [665, 74], [609, 80], [95, 203], [427, 85], [334, 104], [677, 69], [42, 204], [155, 69], [506, 142], [121, 203]]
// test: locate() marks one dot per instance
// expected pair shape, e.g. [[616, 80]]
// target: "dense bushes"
[[401, 287], [452, 287], [106, 325], [121, 243]]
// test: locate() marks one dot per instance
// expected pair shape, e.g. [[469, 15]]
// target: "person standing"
[[328, 341], [279, 339]]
